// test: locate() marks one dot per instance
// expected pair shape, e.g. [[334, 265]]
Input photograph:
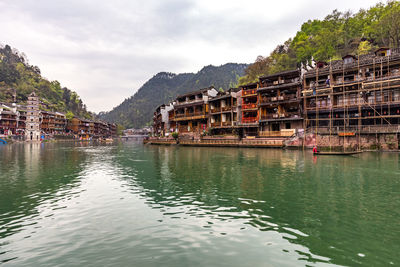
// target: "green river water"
[[135, 205]]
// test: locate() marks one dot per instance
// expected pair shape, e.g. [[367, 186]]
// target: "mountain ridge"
[[137, 110], [18, 79]]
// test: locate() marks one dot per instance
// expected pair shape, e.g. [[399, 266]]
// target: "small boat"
[[342, 153]]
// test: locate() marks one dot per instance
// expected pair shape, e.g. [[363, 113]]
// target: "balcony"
[[189, 115], [249, 92], [352, 80], [191, 101], [215, 110], [249, 120], [287, 115], [354, 102], [250, 106], [271, 100], [6, 124], [226, 108], [7, 117], [197, 113]]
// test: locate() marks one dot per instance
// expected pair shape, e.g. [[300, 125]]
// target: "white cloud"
[[105, 50]]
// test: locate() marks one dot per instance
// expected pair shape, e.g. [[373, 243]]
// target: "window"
[[348, 60]]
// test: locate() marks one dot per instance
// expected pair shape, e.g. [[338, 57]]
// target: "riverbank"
[[59, 140], [324, 142]]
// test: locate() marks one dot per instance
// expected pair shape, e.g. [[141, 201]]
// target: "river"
[[132, 205]]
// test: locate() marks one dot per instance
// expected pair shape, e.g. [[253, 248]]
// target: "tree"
[[338, 34], [120, 129], [69, 115]]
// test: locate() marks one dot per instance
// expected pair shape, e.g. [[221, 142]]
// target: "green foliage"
[[365, 47], [16, 73], [337, 35], [175, 135], [120, 128], [137, 111], [69, 115]]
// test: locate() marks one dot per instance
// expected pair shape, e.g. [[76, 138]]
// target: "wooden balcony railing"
[[215, 109], [189, 114], [249, 92], [249, 120], [278, 116], [268, 100], [6, 117], [13, 124], [354, 102], [249, 106], [339, 81], [190, 101], [197, 113]]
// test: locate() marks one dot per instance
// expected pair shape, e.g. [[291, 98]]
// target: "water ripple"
[[90, 205]]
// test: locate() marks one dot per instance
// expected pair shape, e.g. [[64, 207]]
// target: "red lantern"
[[398, 111], [369, 113]]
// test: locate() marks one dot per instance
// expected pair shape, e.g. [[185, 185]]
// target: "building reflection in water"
[[31, 174], [309, 202]]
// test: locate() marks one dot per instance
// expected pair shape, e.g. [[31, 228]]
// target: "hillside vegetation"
[[17, 74], [137, 111], [339, 34]]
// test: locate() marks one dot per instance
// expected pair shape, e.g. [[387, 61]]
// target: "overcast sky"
[[105, 50]]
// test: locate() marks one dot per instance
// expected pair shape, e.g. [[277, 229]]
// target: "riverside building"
[[280, 104], [224, 112], [192, 112], [354, 94], [32, 124], [248, 124], [353, 102], [32, 131]]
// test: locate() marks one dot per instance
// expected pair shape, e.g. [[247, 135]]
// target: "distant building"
[[354, 94], [223, 112], [249, 109], [280, 112], [32, 131], [8, 120], [191, 111]]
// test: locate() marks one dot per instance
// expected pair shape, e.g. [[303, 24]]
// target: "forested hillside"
[[339, 34], [137, 111], [18, 76]]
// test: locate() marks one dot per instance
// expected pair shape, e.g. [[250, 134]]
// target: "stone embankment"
[[219, 142], [363, 141]]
